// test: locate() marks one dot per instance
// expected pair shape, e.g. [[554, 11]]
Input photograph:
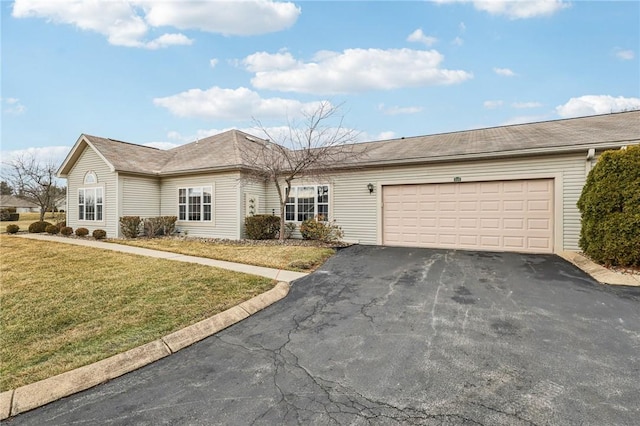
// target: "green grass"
[[290, 257], [65, 306]]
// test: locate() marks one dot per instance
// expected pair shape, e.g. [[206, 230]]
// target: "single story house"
[[21, 205], [507, 188]]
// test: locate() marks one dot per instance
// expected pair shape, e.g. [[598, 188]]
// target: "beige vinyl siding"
[[90, 161], [249, 188], [358, 212], [226, 200], [140, 196]]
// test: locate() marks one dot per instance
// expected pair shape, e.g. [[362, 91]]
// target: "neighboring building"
[[509, 188], [21, 205]]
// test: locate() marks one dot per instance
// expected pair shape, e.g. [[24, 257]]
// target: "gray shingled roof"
[[224, 151], [557, 136]]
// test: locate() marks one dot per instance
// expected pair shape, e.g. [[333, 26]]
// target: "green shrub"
[[82, 232], [316, 229], [52, 229], [66, 230], [289, 229], [262, 226], [12, 229], [99, 234], [61, 224], [130, 226], [38, 227], [610, 208]]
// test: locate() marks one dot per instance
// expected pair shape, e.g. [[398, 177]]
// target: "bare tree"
[[314, 147], [33, 181]]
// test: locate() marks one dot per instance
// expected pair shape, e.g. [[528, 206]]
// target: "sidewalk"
[[274, 274], [600, 273], [34, 395]]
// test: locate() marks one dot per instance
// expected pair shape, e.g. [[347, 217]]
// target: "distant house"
[[21, 205], [508, 188]]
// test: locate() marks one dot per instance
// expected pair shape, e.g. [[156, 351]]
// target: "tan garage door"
[[512, 215]]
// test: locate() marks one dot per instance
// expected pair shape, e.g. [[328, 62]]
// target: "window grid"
[[306, 202], [195, 204], [90, 204]]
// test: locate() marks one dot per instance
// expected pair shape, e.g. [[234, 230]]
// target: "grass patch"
[[66, 306], [27, 219], [279, 256]]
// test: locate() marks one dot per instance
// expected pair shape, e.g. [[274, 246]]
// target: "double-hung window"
[[305, 202], [195, 203], [90, 200]]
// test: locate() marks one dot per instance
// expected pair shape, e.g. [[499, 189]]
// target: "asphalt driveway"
[[400, 336]]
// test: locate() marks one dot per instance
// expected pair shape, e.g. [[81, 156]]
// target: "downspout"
[[591, 155]]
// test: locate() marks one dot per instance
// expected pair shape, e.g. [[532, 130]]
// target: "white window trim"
[[315, 205], [84, 213], [211, 189]]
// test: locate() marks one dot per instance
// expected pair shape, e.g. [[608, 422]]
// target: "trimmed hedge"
[[82, 232], [262, 227], [38, 227], [12, 229], [610, 208], [99, 234], [52, 229], [66, 230]]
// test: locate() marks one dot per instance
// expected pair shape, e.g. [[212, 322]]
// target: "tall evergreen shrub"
[[610, 208]]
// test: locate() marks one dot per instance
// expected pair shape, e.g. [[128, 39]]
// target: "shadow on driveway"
[[385, 335]]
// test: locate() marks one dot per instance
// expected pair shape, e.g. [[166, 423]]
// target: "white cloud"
[[624, 54], [223, 17], [492, 104], [13, 106], [523, 105], [385, 136], [213, 62], [128, 22], [506, 72], [263, 61], [516, 9], [596, 104], [458, 41], [44, 155], [419, 37], [462, 27], [235, 104], [396, 110], [353, 70]]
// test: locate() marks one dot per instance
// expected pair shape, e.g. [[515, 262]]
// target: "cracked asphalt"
[[384, 335]]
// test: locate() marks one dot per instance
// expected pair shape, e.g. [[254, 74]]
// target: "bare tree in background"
[[315, 147], [33, 181]]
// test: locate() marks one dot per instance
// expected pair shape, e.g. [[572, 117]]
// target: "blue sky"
[[164, 73]]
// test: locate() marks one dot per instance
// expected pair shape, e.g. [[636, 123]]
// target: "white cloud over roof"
[[234, 104], [596, 104], [351, 71], [127, 23], [420, 37]]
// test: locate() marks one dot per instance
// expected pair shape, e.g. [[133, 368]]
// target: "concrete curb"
[[34, 395], [598, 272]]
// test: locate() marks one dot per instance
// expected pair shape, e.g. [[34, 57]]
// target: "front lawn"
[[270, 254], [64, 306], [27, 219]]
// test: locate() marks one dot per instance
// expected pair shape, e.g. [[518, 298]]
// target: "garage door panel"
[[500, 215]]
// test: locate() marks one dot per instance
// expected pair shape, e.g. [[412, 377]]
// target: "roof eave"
[[494, 155]]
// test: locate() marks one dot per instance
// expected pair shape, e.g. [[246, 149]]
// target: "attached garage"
[[510, 215]]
